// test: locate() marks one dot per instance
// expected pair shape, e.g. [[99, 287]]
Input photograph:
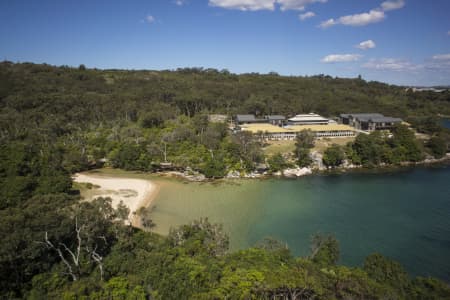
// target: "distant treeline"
[[74, 97]]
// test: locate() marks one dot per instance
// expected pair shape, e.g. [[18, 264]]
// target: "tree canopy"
[[58, 120]]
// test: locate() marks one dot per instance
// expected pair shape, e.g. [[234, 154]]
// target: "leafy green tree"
[[214, 135], [404, 137], [333, 156], [156, 116], [277, 162], [303, 157], [428, 288], [214, 167], [304, 139], [275, 247], [303, 143], [387, 272], [438, 146], [144, 213], [89, 241], [119, 288], [130, 157], [200, 237], [369, 148], [22, 252], [249, 149], [324, 250]]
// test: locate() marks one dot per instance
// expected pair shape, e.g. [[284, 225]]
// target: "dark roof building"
[[369, 121], [245, 119], [248, 119], [276, 119], [365, 115]]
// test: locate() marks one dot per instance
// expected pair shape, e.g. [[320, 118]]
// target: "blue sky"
[[396, 41]]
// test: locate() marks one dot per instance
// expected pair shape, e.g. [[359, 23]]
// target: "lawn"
[[275, 147], [324, 143], [282, 147]]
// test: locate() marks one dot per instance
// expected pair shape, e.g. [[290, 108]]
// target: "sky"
[[405, 42]]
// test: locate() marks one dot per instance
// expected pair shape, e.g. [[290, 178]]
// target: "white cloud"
[[363, 19], [390, 64], [392, 4], [244, 5], [373, 16], [333, 58], [441, 57], [437, 63], [369, 44], [254, 5], [180, 2], [448, 33], [297, 4], [150, 19], [306, 15], [328, 23]]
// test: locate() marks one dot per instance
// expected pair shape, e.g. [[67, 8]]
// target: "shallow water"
[[404, 214]]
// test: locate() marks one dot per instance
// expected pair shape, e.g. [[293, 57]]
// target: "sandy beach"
[[135, 193]]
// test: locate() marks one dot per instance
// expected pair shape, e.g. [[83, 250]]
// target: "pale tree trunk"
[[71, 259]]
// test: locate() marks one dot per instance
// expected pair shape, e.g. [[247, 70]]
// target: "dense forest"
[[55, 121], [138, 119]]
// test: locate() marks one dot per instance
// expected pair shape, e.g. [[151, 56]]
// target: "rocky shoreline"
[[297, 172]]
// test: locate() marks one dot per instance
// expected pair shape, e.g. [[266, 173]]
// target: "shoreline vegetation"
[[300, 172], [58, 121]]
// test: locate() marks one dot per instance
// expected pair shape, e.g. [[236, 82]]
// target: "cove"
[[404, 214]]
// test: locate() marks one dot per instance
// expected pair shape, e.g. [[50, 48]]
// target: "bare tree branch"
[[61, 255]]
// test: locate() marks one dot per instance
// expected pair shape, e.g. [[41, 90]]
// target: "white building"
[[308, 119], [272, 132]]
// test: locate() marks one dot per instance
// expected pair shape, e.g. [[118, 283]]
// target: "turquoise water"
[[404, 215]]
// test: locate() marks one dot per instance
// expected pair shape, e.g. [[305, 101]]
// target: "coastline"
[[146, 202], [137, 190], [301, 172], [135, 193]]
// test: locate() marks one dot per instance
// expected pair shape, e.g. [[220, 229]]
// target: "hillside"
[[55, 121], [85, 96]]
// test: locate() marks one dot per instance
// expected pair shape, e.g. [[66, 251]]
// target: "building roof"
[[329, 127], [367, 117], [307, 118], [217, 118], [245, 118], [255, 128], [363, 115], [372, 117], [276, 117], [386, 120]]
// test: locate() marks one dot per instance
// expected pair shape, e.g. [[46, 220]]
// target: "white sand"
[[135, 193]]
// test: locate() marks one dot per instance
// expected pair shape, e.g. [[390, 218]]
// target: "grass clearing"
[[323, 143], [282, 147]]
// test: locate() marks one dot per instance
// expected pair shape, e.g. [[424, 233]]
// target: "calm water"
[[404, 215]]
